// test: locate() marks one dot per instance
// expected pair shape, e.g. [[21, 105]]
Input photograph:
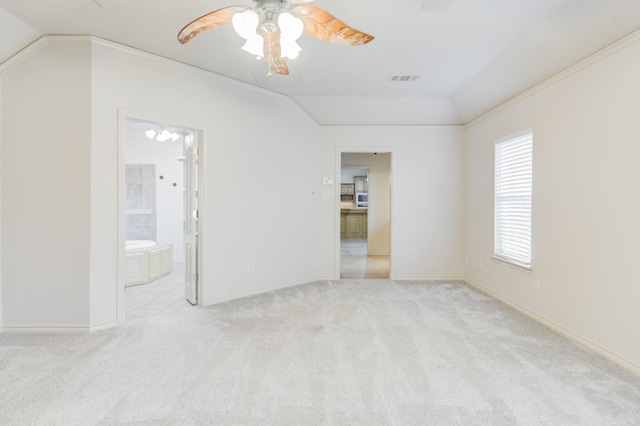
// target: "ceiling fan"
[[272, 27]]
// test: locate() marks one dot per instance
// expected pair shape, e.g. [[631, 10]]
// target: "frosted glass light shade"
[[150, 133], [254, 45], [289, 48], [291, 28], [245, 24], [164, 136]]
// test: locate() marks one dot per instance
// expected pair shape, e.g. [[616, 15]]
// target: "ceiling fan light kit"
[[272, 27]]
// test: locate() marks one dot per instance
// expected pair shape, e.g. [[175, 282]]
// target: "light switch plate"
[[327, 180]]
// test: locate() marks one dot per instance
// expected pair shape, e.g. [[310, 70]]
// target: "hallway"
[[355, 263]]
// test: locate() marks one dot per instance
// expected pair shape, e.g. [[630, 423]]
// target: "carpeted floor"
[[351, 352]]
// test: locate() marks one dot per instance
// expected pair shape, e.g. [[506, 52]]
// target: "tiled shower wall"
[[141, 202]]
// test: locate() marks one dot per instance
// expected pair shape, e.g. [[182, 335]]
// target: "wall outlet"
[[250, 267], [466, 260], [536, 284]]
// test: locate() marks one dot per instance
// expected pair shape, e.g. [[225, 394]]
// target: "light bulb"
[[150, 133], [175, 136]]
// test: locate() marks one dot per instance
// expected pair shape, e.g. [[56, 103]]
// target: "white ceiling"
[[469, 55]]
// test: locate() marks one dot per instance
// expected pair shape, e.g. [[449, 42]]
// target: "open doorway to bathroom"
[[365, 205], [159, 193]]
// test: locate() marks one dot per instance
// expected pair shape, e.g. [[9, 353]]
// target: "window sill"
[[526, 268]]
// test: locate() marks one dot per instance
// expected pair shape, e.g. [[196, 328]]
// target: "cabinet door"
[[354, 226], [136, 268], [350, 190], [343, 226], [364, 225], [155, 262], [166, 260], [361, 183]]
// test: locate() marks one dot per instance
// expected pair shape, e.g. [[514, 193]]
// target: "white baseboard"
[[611, 356], [107, 326], [423, 278], [45, 329], [56, 328]]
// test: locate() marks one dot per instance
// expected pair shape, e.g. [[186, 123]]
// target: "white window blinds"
[[514, 165]]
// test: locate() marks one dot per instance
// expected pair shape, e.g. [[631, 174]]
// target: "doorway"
[[365, 215], [159, 187]]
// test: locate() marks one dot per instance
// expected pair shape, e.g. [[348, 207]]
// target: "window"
[[514, 166]]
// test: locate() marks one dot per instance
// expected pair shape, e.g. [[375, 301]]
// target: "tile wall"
[[141, 202]]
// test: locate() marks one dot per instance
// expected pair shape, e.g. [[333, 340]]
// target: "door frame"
[[363, 150], [123, 116]]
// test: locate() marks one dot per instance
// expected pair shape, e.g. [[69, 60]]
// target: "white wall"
[[169, 198], [60, 129], [379, 199], [586, 206], [254, 142], [427, 197], [348, 175], [46, 121]]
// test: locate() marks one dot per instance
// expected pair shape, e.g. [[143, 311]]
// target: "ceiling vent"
[[403, 78]]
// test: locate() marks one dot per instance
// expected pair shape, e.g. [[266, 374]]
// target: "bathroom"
[[154, 207]]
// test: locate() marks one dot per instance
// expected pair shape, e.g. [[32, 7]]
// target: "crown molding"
[[392, 127], [48, 40], [38, 45]]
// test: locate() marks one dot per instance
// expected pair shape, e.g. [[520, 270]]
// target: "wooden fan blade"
[[211, 20], [272, 53], [321, 24]]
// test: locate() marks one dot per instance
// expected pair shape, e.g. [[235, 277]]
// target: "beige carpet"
[[338, 353]]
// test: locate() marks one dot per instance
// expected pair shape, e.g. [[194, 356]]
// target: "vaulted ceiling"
[[468, 55]]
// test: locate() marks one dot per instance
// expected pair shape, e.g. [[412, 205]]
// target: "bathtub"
[[146, 261], [139, 244]]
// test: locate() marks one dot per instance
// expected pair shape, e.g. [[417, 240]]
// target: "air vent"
[[403, 78]]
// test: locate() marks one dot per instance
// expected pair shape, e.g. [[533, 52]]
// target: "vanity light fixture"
[[163, 135]]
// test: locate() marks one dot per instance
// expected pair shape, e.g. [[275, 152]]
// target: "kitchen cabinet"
[[361, 184], [347, 191], [353, 224]]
